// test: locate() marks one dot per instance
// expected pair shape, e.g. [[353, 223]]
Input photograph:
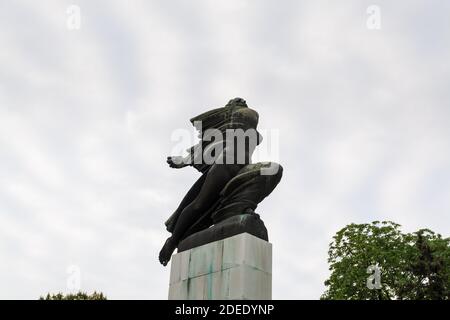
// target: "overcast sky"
[[86, 118]]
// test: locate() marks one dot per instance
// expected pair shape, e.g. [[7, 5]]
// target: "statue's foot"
[[166, 252]]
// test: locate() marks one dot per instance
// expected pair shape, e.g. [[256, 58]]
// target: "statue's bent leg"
[[216, 179], [188, 198]]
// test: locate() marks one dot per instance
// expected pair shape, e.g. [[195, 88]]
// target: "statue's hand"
[[176, 162]]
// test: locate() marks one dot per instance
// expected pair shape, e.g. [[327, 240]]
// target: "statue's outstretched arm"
[[178, 162]]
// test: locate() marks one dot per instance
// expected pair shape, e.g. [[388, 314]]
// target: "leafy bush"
[[77, 296]]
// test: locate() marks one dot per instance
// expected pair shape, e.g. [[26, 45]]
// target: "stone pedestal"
[[238, 267]]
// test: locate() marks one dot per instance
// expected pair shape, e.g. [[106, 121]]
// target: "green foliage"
[[77, 296], [413, 266]]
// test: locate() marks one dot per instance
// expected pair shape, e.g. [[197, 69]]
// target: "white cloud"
[[86, 119]]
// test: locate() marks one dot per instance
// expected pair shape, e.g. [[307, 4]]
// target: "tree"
[[431, 269], [412, 266], [77, 296]]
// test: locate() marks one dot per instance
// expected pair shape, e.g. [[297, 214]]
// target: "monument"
[[223, 248]]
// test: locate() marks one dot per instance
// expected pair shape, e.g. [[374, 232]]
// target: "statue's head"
[[236, 102]]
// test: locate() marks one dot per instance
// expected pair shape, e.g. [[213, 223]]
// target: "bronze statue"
[[222, 201]]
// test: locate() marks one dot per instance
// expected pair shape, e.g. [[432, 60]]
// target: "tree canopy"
[[412, 266]]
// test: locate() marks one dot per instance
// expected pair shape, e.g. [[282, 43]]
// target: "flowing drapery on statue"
[[222, 201]]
